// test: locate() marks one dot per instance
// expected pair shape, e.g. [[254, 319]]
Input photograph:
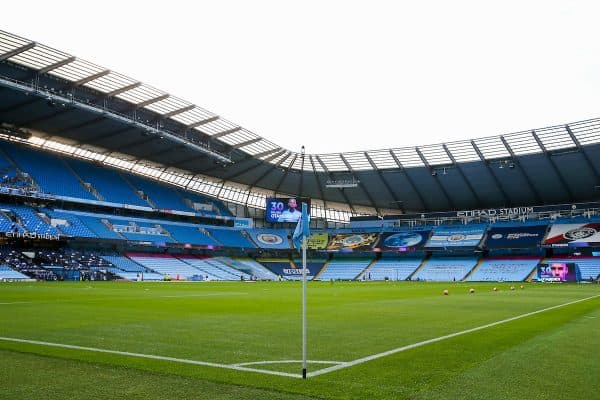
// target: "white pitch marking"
[[206, 294], [438, 339], [287, 362], [153, 357], [16, 302]]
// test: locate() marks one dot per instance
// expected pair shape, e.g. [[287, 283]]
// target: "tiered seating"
[[109, 183], [128, 269], [189, 234], [215, 270], [231, 238], [161, 196], [445, 269], [16, 260], [48, 170], [515, 270], [6, 225], [8, 273], [248, 266], [166, 265], [73, 226], [30, 220], [344, 269], [589, 267], [392, 269], [96, 226]]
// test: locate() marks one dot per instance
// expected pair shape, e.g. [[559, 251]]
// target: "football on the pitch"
[[445, 292], [495, 289], [471, 290]]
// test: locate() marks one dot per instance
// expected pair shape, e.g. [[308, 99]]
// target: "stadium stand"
[[343, 269], [215, 269], [7, 273], [504, 269], [167, 265], [70, 224], [231, 238], [187, 233], [50, 172], [445, 269], [29, 219], [159, 196], [250, 267], [108, 183], [392, 269]]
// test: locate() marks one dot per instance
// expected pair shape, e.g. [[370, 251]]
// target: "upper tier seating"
[[445, 269], [392, 269], [189, 234], [344, 269], [30, 220], [163, 197], [108, 182], [70, 224], [49, 171], [231, 238], [509, 270]]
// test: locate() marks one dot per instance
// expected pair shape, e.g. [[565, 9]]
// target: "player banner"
[[352, 242], [456, 237], [557, 272], [576, 235], [515, 237], [317, 241], [402, 241]]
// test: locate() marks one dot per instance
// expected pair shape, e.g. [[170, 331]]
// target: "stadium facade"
[[106, 177]]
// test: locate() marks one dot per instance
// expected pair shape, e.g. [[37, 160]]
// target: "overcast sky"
[[344, 75]]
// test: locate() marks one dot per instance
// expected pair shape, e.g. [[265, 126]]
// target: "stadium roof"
[[83, 103]]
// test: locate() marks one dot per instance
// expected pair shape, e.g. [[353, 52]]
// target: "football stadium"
[[152, 249]]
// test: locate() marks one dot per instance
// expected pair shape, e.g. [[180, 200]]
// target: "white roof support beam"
[[56, 65], [203, 122], [123, 89], [90, 78], [225, 133], [178, 111], [151, 101], [247, 143], [16, 51]]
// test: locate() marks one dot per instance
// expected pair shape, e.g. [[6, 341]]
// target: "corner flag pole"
[[304, 307]]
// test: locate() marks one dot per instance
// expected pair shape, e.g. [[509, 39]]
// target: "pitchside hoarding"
[[515, 237], [575, 235], [402, 241], [456, 237], [352, 242]]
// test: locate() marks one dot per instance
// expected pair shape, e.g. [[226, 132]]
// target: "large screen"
[[557, 272], [285, 209]]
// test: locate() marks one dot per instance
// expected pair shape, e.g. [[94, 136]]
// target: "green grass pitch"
[[554, 354]]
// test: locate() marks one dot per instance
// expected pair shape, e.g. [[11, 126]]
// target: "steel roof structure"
[[82, 104]]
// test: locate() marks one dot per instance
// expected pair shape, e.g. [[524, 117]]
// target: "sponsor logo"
[[579, 233], [497, 236], [31, 235], [295, 271], [457, 237]]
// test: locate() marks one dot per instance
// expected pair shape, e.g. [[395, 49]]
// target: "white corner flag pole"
[[304, 307]]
